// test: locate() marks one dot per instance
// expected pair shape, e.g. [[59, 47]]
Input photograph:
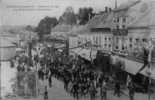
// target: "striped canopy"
[[7, 49]]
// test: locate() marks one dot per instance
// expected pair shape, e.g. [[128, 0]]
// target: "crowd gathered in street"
[[78, 77]]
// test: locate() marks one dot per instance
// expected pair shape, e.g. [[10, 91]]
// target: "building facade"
[[132, 26], [100, 40], [73, 41]]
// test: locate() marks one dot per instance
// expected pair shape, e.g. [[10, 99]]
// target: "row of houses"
[[127, 28]]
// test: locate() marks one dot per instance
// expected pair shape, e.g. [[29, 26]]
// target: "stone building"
[[133, 25]]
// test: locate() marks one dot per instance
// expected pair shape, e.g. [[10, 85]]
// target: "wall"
[[99, 40], [137, 38], [73, 41]]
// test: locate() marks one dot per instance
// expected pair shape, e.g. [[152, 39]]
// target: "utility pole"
[[91, 52], [149, 67]]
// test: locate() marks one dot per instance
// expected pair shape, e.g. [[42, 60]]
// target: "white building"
[[133, 25], [97, 32], [100, 40]]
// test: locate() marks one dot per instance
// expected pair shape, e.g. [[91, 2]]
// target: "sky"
[[30, 12]]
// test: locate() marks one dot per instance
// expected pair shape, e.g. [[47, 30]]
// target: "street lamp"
[[149, 76]]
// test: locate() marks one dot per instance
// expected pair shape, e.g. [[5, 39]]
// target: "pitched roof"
[[106, 21], [127, 5], [144, 15], [99, 21], [62, 28], [94, 21], [79, 29]]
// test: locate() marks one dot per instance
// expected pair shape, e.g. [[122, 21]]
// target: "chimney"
[[106, 9], [110, 9]]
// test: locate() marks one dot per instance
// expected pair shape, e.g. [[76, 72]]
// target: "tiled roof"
[[98, 21], [95, 21], [79, 29], [144, 16], [106, 21], [127, 5]]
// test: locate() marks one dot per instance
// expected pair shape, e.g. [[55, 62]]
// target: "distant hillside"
[[13, 29]]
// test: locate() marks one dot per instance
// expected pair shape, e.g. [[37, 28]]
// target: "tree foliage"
[[68, 17], [30, 28], [84, 14], [45, 25]]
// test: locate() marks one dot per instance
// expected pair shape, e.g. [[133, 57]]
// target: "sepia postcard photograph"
[[77, 49]]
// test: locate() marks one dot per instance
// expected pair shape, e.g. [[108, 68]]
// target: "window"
[[79, 42], [118, 19], [124, 19], [117, 39], [123, 26], [109, 45], [114, 20], [144, 40], [109, 39], [100, 40], [117, 26], [93, 39], [137, 39], [105, 39], [105, 45], [130, 39], [123, 48], [116, 47], [130, 45], [96, 40]]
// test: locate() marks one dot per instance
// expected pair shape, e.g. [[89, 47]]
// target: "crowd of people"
[[79, 79]]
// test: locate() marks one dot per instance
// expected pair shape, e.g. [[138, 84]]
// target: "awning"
[[7, 49], [133, 66], [130, 66], [151, 70], [85, 53]]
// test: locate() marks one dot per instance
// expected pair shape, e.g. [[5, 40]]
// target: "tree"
[[68, 17], [84, 15], [29, 28], [45, 25]]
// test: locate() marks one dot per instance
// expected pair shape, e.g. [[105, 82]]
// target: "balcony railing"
[[120, 32]]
